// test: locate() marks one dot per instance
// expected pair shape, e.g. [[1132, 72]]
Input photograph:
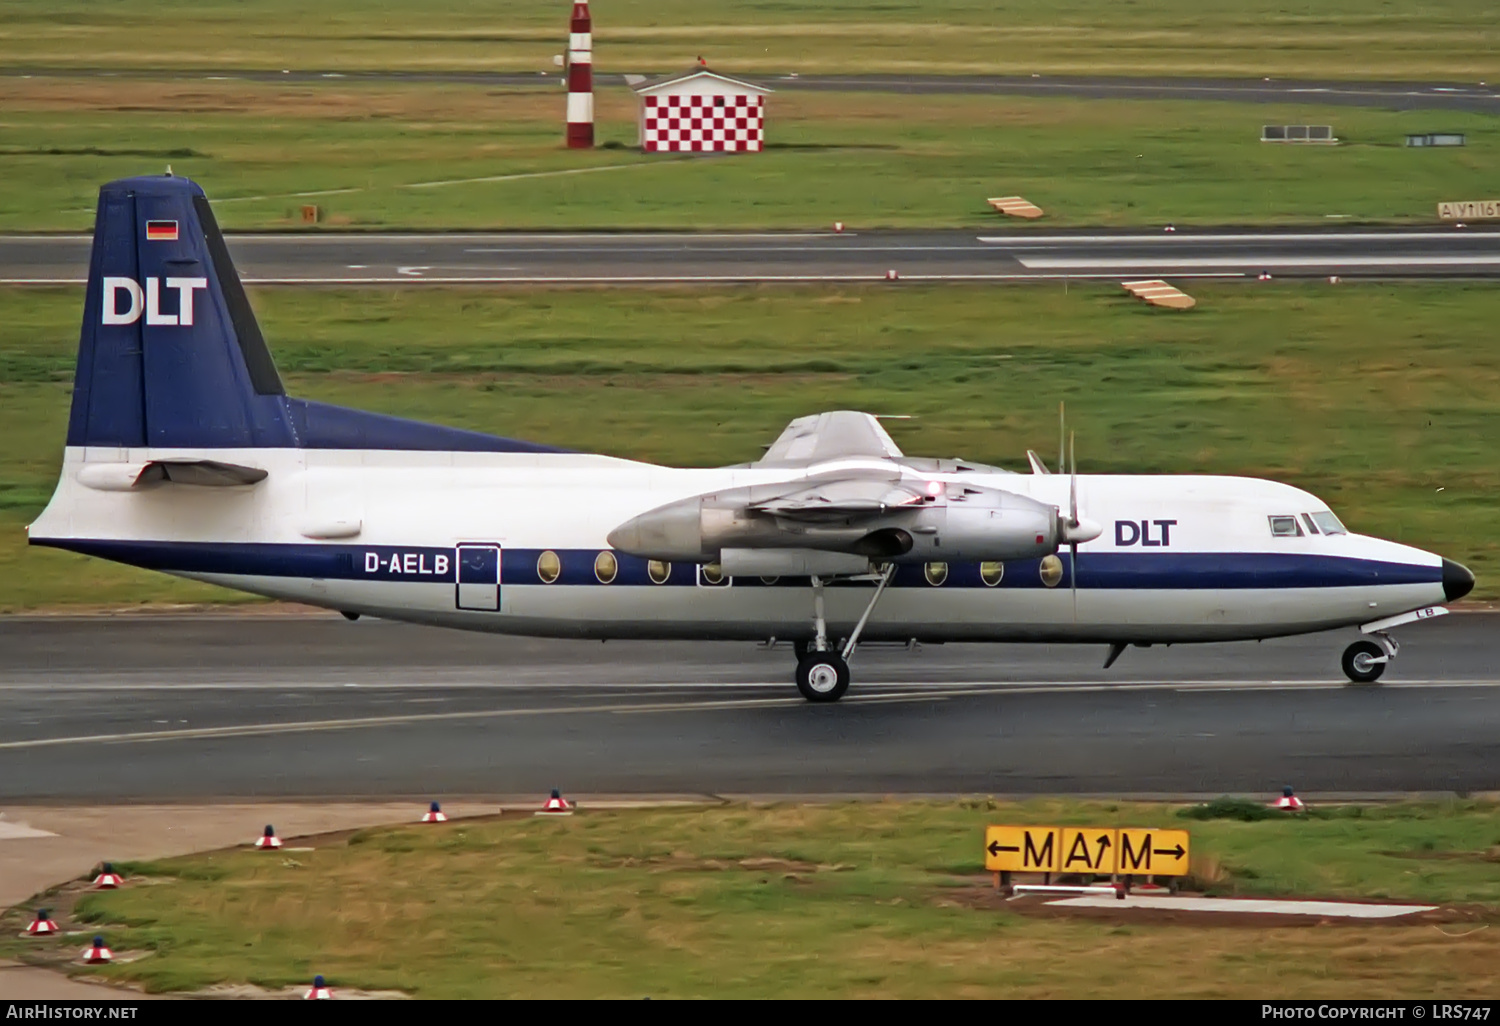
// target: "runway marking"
[[1268, 260], [647, 279], [990, 686], [359, 722], [1189, 238]]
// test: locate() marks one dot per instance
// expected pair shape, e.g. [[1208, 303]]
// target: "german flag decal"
[[162, 231]]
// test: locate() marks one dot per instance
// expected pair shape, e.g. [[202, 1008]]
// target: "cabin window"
[[1286, 527], [1329, 524], [1051, 570], [712, 574], [605, 567], [991, 573], [936, 573], [658, 571], [548, 567]]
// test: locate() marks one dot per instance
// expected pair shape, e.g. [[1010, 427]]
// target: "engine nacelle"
[[962, 523]]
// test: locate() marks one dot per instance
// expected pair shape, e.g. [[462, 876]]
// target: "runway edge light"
[[268, 841], [108, 879], [97, 953], [556, 805], [434, 814], [42, 924], [319, 990], [1289, 800]]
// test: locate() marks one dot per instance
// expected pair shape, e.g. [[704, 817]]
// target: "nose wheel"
[[822, 676], [1364, 662]]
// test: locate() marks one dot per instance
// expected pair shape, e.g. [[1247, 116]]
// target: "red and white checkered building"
[[702, 112]]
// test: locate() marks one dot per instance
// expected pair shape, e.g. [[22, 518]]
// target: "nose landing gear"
[[1364, 662]]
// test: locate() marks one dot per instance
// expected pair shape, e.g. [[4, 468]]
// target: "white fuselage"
[[383, 533]]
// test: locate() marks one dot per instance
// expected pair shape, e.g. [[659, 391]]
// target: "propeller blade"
[[1061, 434], [1073, 524], [1072, 485]]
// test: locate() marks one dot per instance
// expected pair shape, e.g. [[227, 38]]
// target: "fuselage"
[[516, 543]]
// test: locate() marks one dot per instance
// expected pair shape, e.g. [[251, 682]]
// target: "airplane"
[[185, 455]]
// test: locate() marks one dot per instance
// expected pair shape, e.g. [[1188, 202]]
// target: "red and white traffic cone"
[[96, 952], [1289, 801], [891, 276], [556, 805], [1170, 228], [581, 79], [1264, 276], [42, 924], [268, 841], [434, 814], [838, 227], [108, 879], [1333, 279], [319, 991]]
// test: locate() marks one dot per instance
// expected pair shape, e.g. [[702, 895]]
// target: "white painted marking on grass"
[[1187, 903], [538, 174]]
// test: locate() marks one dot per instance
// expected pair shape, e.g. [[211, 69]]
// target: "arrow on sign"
[[995, 848], [1177, 852]]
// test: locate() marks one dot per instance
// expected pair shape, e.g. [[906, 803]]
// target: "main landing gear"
[[823, 671]]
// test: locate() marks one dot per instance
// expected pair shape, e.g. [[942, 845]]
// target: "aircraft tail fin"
[[170, 354]]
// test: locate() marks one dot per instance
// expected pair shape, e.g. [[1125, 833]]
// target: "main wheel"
[[1364, 662], [822, 676]]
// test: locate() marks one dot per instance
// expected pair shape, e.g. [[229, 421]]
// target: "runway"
[[1464, 96], [173, 708], [915, 255]]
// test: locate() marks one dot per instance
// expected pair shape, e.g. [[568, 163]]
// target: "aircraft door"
[[478, 577]]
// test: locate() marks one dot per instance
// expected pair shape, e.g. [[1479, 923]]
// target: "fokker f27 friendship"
[[185, 455]]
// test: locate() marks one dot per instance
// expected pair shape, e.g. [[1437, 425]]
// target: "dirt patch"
[[1491, 855], [1458, 918], [685, 862], [250, 992]]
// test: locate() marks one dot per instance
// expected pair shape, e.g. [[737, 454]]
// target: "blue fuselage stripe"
[[1102, 570]]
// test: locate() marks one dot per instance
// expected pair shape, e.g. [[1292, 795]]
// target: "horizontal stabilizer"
[[125, 477]]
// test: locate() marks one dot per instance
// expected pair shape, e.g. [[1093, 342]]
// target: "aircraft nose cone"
[[1458, 580]]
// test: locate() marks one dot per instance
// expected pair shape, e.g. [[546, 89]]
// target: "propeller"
[[1075, 529]]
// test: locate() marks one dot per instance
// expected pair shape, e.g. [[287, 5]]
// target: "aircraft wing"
[[839, 498], [826, 436]]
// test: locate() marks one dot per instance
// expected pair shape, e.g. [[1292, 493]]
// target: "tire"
[[1358, 664], [822, 676]]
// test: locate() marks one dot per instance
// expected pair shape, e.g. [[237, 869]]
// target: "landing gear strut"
[[822, 671]]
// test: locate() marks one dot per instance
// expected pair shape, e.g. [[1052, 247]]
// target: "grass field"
[[370, 155], [1448, 40], [881, 899], [1379, 398]]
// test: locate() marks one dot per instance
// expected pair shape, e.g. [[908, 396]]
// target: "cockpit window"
[[1329, 524], [1285, 527], [1307, 519]]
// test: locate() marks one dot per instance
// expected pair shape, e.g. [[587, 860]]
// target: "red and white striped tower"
[[581, 79]]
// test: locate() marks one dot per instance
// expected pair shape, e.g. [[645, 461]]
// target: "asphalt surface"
[[177, 708], [915, 255], [1465, 96]]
